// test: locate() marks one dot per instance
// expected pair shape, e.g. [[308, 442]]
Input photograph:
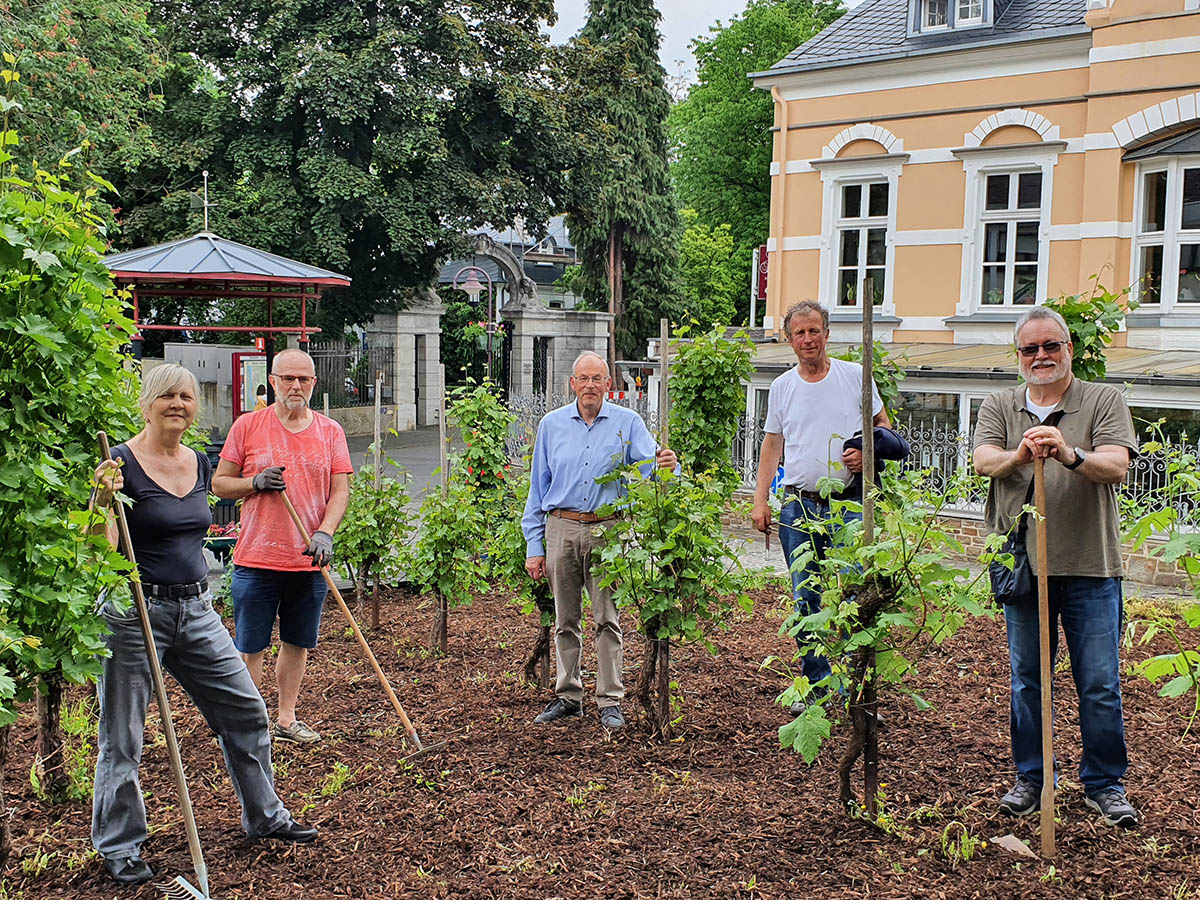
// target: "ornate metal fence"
[[347, 374]]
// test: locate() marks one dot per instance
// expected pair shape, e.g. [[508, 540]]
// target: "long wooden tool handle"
[[362, 641], [160, 689], [1047, 665]]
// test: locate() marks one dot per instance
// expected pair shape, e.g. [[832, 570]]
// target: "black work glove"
[[320, 548], [270, 479]]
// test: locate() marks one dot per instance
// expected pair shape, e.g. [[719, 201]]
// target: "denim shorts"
[[261, 595]]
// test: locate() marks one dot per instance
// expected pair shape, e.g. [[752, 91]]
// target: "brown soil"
[[513, 810]]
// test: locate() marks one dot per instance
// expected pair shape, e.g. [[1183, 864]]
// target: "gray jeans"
[[194, 646], [569, 550]]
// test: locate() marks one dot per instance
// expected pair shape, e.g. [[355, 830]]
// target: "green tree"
[[720, 136], [620, 191], [362, 137], [710, 273], [1093, 319], [63, 378], [90, 71]]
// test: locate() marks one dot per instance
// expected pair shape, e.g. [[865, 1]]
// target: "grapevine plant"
[[63, 377], [882, 605]]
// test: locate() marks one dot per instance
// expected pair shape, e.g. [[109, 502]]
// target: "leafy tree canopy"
[[362, 137], [90, 70], [620, 184], [720, 136], [709, 272]]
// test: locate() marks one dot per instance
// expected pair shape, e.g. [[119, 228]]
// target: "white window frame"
[[979, 163], [1171, 238], [925, 10], [864, 225], [960, 19], [836, 174], [1008, 216]]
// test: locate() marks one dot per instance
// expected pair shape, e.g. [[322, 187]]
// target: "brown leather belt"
[[573, 515]]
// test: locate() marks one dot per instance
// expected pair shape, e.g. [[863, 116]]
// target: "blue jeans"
[[796, 535], [1090, 610], [194, 646], [261, 595]]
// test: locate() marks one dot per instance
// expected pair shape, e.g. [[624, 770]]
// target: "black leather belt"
[[814, 496], [175, 591]]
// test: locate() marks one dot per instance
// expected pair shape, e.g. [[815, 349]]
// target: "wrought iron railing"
[[347, 374]]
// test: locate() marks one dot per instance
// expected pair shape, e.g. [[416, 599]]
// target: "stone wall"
[[1140, 567]]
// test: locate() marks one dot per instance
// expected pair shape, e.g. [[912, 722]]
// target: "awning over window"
[[1186, 143]]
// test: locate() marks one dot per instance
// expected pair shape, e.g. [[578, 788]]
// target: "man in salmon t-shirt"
[[285, 445]]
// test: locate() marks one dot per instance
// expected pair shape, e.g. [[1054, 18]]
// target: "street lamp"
[[473, 288]]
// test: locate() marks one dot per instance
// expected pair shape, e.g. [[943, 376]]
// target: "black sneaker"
[[1024, 798], [1114, 807], [129, 870], [611, 717], [559, 709]]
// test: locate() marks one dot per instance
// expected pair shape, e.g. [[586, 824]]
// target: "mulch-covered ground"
[[514, 810]]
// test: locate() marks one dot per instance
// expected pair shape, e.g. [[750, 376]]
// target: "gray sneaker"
[[611, 717], [297, 733], [1024, 798], [557, 709], [1114, 807]]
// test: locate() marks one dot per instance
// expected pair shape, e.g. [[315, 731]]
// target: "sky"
[[682, 20]]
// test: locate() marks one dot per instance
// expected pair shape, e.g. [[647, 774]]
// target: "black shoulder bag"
[[1017, 585]]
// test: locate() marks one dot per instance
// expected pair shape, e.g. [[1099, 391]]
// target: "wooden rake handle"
[[362, 641], [1046, 663]]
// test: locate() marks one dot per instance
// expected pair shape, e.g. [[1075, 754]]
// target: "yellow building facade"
[[973, 157]]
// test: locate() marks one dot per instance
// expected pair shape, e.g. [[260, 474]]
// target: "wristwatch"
[[1080, 456]]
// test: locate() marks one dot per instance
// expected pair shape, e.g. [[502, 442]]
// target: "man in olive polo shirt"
[[1085, 432]]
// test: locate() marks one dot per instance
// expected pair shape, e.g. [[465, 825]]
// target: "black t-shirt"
[[167, 531]]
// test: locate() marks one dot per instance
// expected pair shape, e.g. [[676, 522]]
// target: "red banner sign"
[[761, 280]]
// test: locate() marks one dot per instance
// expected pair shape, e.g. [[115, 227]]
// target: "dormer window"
[[970, 12], [937, 14], [932, 16]]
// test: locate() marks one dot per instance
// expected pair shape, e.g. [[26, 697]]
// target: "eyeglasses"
[[302, 380], [590, 379], [1030, 350]]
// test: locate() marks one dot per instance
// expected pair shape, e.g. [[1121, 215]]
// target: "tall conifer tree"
[[620, 187]]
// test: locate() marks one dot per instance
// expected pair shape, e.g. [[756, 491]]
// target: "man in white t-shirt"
[[811, 410]]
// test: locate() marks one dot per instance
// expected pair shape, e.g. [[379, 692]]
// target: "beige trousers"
[[569, 550]]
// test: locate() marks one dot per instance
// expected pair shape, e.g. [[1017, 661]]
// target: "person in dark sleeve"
[[168, 484]]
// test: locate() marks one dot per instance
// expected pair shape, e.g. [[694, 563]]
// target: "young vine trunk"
[[5, 835], [441, 620], [375, 603], [49, 760], [537, 667], [876, 596], [654, 682]]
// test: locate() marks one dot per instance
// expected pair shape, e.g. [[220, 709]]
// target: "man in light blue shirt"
[[576, 444]]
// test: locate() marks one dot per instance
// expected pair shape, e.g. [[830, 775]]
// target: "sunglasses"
[[1030, 350]]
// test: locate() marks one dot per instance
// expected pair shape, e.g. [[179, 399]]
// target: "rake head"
[[180, 889]]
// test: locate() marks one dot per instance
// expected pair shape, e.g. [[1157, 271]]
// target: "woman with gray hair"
[[169, 484]]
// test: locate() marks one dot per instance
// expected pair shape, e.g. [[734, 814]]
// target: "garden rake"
[[179, 889], [362, 641]]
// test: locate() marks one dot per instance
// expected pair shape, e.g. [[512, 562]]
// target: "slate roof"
[[207, 256], [878, 30]]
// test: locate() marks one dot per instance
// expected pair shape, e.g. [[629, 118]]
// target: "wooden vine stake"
[[378, 481], [1046, 663], [441, 618], [869, 700], [656, 666]]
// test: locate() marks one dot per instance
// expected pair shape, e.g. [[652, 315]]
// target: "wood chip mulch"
[[508, 809]]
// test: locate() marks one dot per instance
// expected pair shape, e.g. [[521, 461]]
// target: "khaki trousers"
[[569, 550]]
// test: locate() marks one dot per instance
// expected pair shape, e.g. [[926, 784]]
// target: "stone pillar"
[[570, 333], [413, 335]]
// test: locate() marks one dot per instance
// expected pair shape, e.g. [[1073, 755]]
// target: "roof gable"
[[878, 29]]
